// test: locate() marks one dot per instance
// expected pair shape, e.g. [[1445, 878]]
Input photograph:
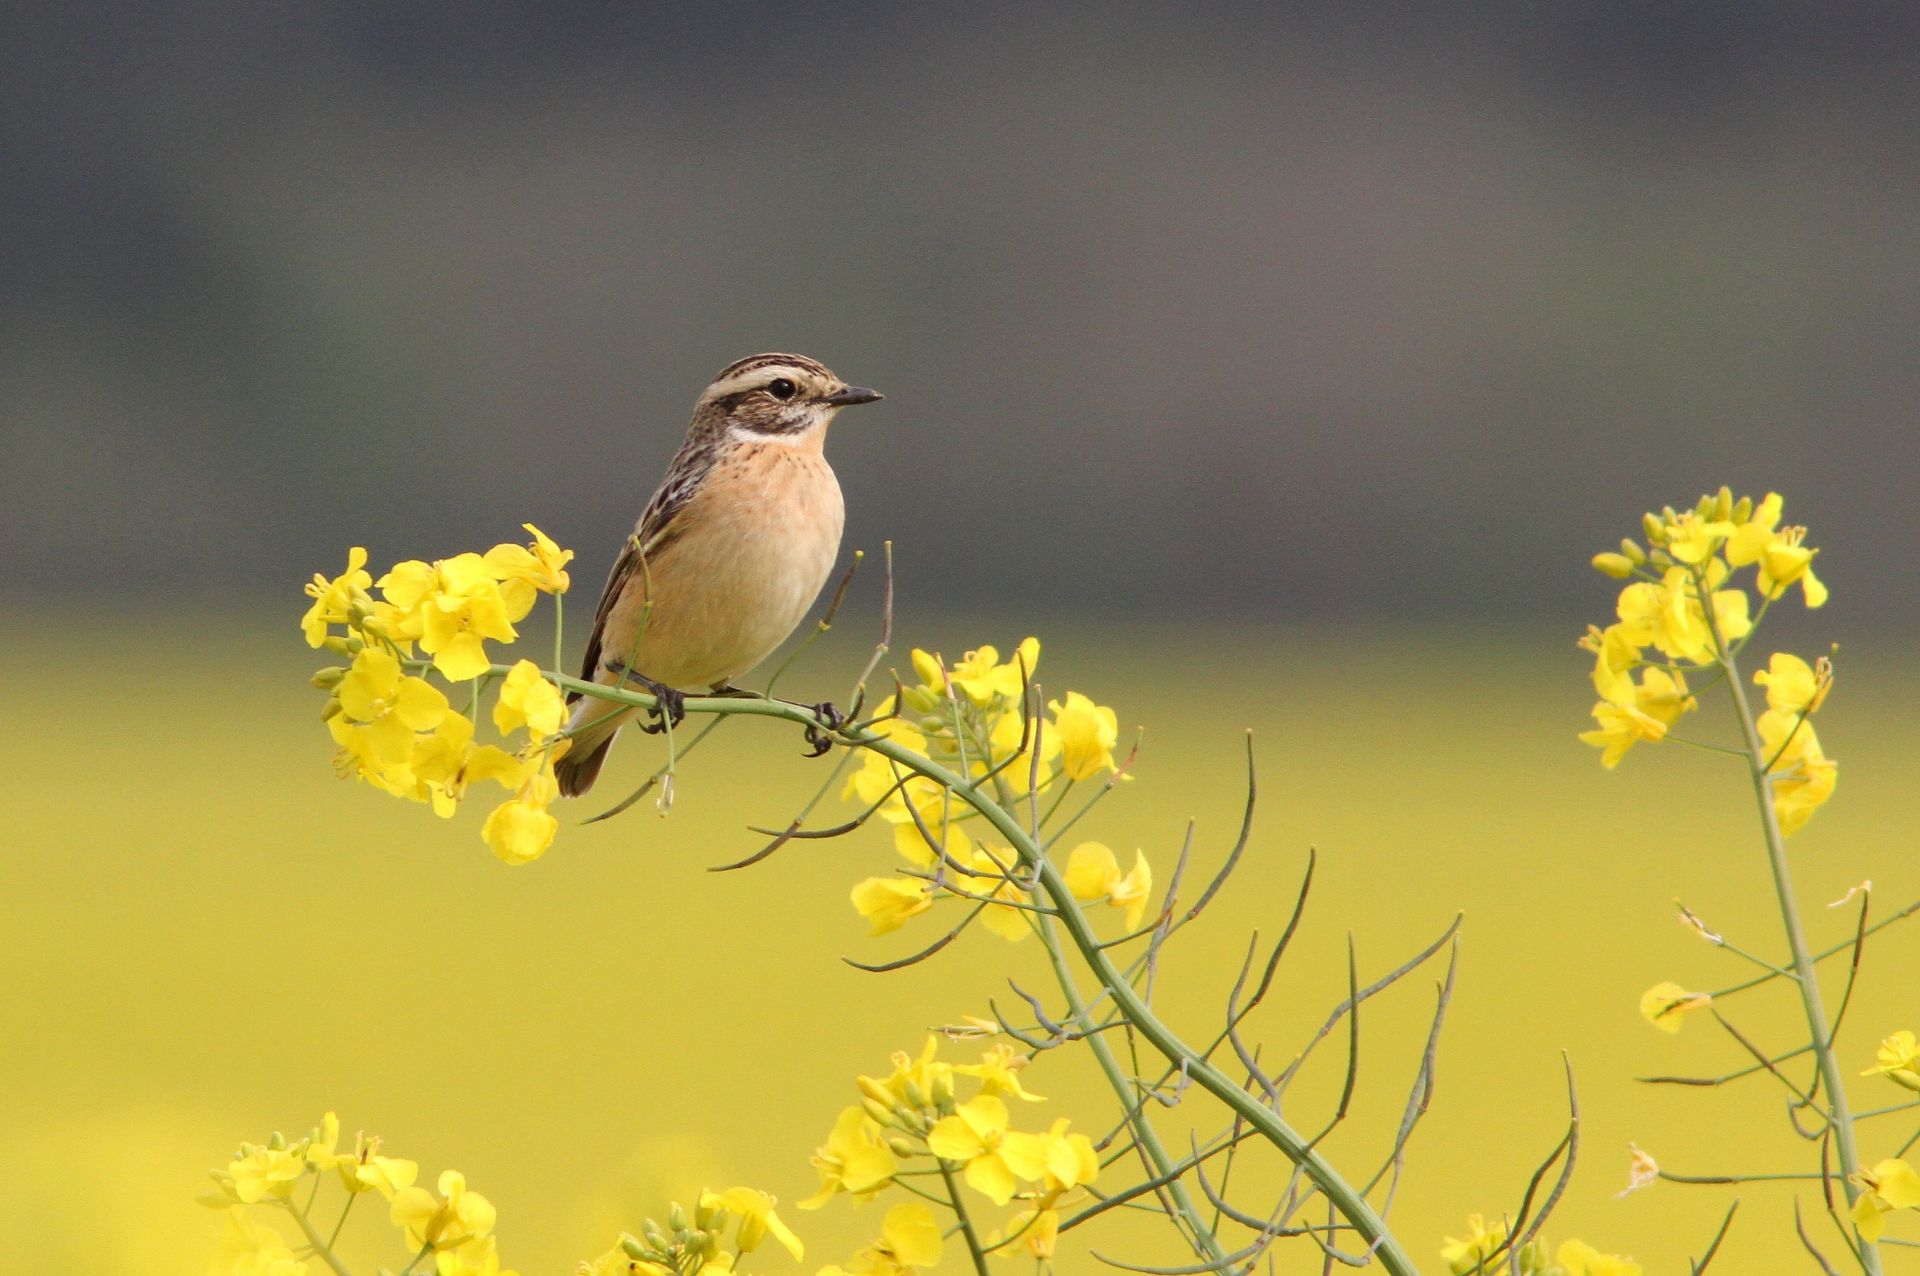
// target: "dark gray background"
[[1270, 311]]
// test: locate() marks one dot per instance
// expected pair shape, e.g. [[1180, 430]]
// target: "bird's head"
[[777, 396]]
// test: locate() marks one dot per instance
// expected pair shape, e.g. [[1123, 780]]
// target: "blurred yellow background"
[[212, 938]]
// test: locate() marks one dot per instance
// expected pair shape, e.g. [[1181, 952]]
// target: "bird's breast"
[[750, 553]]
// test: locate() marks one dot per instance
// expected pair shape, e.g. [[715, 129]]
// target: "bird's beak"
[[848, 396]]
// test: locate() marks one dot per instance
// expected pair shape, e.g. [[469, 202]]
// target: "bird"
[[729, 555]]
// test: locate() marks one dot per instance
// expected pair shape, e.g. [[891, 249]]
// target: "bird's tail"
[[593, 725]]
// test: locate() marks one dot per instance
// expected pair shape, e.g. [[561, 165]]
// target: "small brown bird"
[[731, 552]]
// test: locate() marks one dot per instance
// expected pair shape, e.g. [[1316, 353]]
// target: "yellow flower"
[[1071, 1158], [388, 706], [1781, 556], [855, 1159], [909, 1238], [248, 1248], [979, 675], [997, 1158], [447, 761], [476, 1258], [333, 600], [1693, 540], [757, 1219], [1891, 1185], [999, 1071], [995, 877], [260, 1172], [1473, 1252], [456, 604], [889, 902], [1087, 734], [1038, 1230], [528, 700], [1004, 742], [453, 1219], [361, 1170], [1616, 651], [1665, 1004], [520, 829], [1899, 1057], [1658, 701], [1792, 685], [1581, 1259], [915, 1078], [1803, 777], [1669, 615], [919, 852], [541, 564], [1093, 874]]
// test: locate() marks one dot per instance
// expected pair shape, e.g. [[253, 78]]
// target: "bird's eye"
[[782, 389]]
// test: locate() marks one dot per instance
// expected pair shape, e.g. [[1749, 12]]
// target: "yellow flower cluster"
[[697, 1245], [914, 1116], [454, 1224], [1890, 1185], [396, 730], [1483, 1252], [972, 718], [1681, 603]]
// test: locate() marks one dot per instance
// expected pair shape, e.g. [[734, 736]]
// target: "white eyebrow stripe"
[[754, 379]]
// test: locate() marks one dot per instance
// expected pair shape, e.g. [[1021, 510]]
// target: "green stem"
[[321, 1249], [1820, 1034], [974, 1252], [1126, 1089], [1349, 1202]]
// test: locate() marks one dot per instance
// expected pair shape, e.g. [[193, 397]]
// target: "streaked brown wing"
[[643, 550]]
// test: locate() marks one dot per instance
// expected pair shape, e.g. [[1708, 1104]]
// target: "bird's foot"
[[819, 734], [670, 707]]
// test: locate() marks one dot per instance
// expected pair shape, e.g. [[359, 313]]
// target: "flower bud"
[[879, 1112], [943, 1090], [328, 678], [331, 708], [677, 1217], [1631, 548], [1618, 566], [632, 1246], [705, 1216], [1660, 558], [1655, 530], [903, 1147], [277, 1141], [916, 1097], [876, 1092], [335, 643], [655, 1237], [1723, 504], [1743, 510]]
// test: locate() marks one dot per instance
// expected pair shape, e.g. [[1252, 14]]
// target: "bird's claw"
[[669, 711], [670, 707], [819, 733]]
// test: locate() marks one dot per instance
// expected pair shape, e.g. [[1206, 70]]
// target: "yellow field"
[[209, 937]]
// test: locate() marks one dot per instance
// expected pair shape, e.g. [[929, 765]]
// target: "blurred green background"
[[1281, 366]]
